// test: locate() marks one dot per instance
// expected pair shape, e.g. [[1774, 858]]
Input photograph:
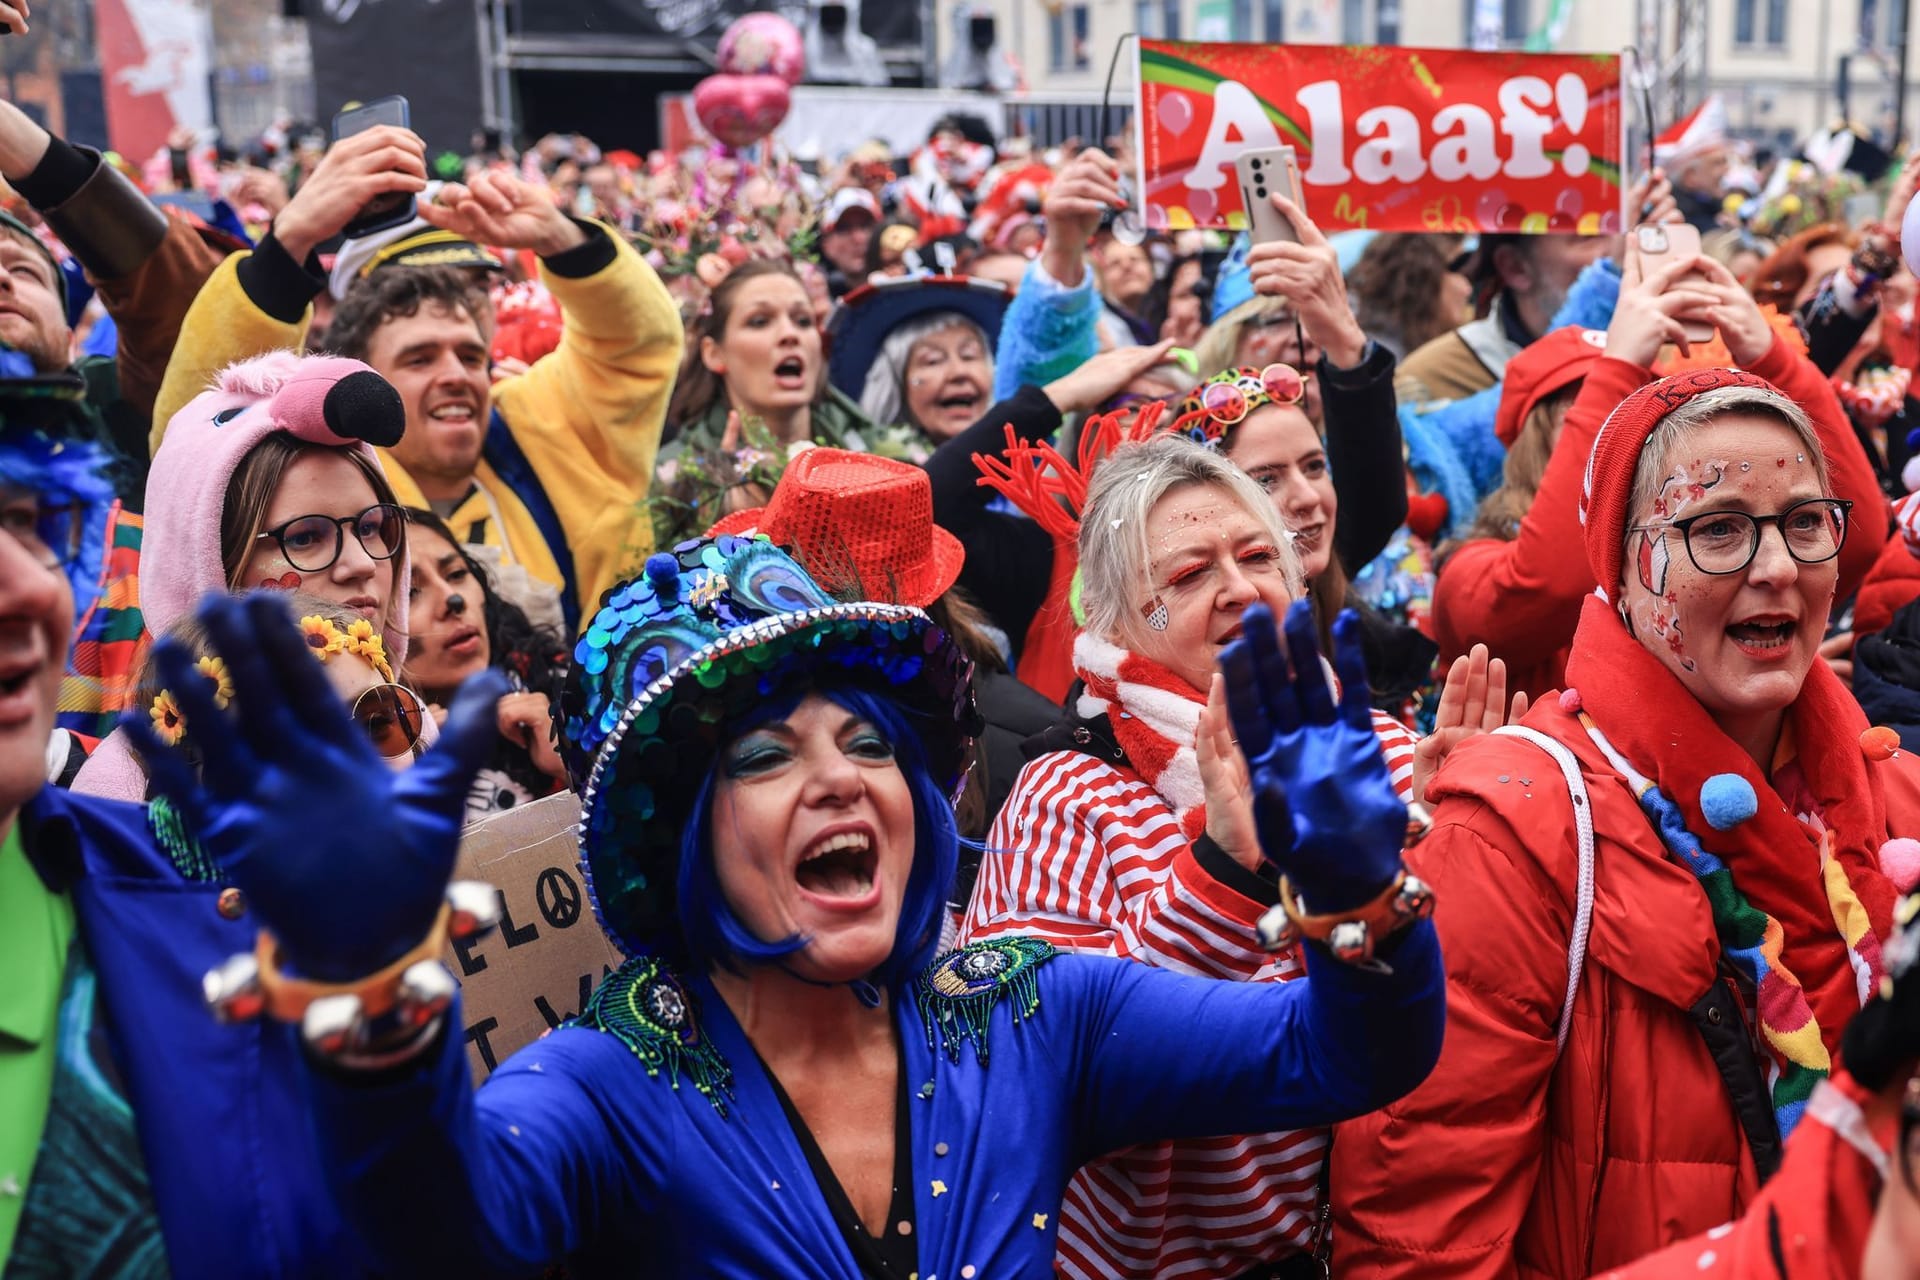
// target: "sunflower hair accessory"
[[168, 723], [325, 638]]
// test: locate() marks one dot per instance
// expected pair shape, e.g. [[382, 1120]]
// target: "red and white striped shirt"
[[1090, 857]]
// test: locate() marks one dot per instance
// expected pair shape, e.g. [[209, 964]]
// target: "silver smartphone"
[[1264, 173]]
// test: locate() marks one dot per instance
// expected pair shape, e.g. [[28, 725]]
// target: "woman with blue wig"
[[783, 1078]]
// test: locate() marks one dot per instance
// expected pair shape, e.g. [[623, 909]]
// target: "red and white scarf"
[[1155, 716]]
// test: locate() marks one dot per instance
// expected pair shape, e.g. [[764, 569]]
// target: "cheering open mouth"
[[1765, 637], [790, 374], [839, 867]]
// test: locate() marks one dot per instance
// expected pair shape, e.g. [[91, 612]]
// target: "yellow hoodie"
[[570, 450]]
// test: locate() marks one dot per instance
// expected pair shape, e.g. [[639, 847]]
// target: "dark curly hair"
[[393, 292], [536, 656]]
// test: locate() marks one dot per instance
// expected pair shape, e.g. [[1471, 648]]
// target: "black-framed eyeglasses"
[[312, 543], [50, 532], [1720, 542]]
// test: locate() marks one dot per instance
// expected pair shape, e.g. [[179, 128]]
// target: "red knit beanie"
[[1540, 369], [1608, 487]]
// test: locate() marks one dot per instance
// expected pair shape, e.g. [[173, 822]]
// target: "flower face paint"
[[1741, 643]]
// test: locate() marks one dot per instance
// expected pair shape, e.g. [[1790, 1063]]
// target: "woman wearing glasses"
[[1509, 583], [268, 478], [272, 484], [1667, 892]]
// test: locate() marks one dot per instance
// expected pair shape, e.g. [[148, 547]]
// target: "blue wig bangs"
[[70, 478], [714, 934]]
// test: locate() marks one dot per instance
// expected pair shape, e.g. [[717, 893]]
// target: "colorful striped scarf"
[[104, 663], [1753, 941], [1651, 718]]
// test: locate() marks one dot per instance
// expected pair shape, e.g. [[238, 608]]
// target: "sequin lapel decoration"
[[170, 833], [644, 1006], [958, 992]]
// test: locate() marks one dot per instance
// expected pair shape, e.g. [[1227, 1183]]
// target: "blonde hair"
[[1674, 434], [1219, 346], [1125, 487], [1502, 510]]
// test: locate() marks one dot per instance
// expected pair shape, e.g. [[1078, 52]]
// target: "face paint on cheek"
[[1665, 623], [1653, 561], [288, 581]]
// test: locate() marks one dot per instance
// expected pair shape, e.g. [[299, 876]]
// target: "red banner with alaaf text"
[[1388, 139]]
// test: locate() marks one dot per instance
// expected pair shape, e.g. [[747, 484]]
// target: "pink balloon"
[[741, 110], [1486, 211], [762, 44], [1175, 113], [1569, 203], [1202, 205], [1156, 217]]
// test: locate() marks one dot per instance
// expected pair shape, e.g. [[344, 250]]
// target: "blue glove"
[[344, 859], [1323, 802]]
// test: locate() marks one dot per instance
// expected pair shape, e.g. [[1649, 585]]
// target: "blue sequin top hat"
[[674, 657]]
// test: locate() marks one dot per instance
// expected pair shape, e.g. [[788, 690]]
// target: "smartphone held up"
[[394, 208], [1657, 245], [1265, 172]]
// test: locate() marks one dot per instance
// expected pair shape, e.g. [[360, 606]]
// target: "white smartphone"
[[1263, 173]]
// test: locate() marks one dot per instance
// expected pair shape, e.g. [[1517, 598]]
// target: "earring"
[[1155, 612]]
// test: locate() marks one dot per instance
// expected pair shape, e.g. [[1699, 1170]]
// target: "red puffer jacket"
[[1516, 1159]]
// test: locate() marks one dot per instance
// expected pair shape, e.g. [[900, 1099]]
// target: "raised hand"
[[497, 208], [1308, 275], [1227, 781], [1087, 188], [1323, 801], [355, 169], [1103, 377], [1733, 312], [1647, 315], [345, 860], [1473, 701]]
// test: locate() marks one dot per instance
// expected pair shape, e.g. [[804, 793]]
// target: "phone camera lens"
[[1261, 192]]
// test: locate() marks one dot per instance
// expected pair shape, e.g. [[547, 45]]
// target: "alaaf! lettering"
[[1394, 145]]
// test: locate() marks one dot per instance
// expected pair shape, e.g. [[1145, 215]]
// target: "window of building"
[[1080, 22], [1170, 19], [1353, 21], [1276, 20], [1146, 19], [1515, 26], [1243, 20], [1387, 23], [1760, 23], [1057, 40]]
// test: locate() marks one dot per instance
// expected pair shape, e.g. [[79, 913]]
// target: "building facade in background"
[[1777, 63]]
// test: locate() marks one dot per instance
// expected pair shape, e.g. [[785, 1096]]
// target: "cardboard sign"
[[1388, 139], [538, 968]]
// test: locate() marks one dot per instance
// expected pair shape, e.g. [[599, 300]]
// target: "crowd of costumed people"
[[1097, 752]]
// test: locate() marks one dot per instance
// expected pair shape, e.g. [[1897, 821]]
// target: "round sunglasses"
[[392, 717], [1228, 403]]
